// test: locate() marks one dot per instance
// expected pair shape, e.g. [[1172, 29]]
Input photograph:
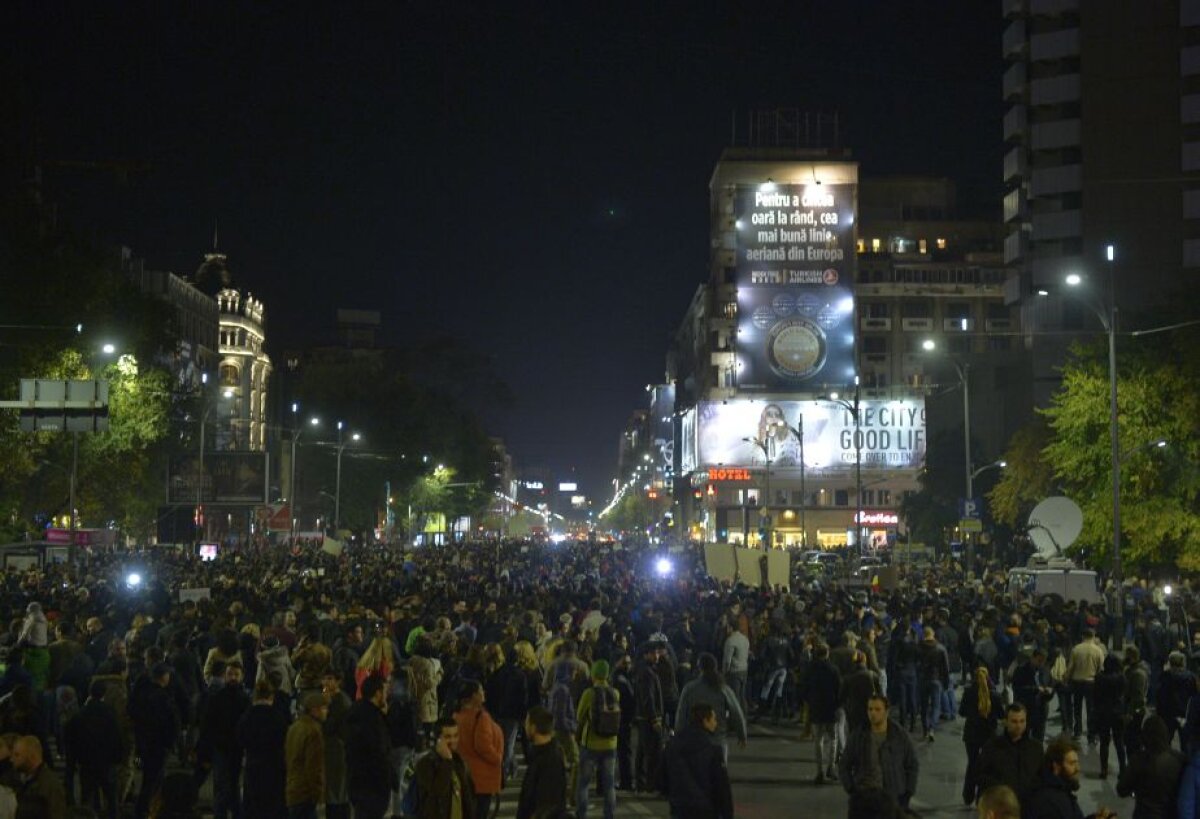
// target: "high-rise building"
[[1102, 136]]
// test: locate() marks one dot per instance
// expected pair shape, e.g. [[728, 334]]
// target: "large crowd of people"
[[424, 682]]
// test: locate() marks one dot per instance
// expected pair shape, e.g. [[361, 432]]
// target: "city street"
[[772, 777]]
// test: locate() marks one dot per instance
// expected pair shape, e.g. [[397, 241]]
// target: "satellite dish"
[[1054, 524]]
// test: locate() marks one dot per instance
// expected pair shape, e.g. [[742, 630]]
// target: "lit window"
[[876, 245], [941, 244], [862, 245], [923, 246]]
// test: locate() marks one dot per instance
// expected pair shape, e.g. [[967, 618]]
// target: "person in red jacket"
[[480, 743]]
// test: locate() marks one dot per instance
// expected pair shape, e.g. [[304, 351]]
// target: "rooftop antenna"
[[215, 236]]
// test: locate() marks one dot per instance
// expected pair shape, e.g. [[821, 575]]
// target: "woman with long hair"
[[710, 688], [980, 707], [480, 744]]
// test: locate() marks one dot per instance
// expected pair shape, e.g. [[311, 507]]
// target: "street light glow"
[[109, 348], [928, 344], [315, 421], [227, 393], [1074, 279], [355, 437]]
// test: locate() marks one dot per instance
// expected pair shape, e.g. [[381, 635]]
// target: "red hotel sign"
[[729, 474]]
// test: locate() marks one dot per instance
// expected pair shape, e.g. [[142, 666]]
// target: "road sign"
[[970, 525], [970, 508], [66, 406]]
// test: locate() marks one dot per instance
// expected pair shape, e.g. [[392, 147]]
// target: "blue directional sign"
[[970, 508]]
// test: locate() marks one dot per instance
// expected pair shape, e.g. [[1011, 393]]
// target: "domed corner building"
[[245, 367]]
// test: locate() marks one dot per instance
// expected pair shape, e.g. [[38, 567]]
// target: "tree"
[[1068, 451], [1027, 479]]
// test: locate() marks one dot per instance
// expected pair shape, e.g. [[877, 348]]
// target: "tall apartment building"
[[1102, 134]]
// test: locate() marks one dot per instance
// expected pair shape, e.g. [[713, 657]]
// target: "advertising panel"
[[687, 442], [662, 427], [230, 477], [892, 434], [795, 274]]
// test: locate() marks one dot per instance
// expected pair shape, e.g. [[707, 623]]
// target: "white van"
[[1040, 579]]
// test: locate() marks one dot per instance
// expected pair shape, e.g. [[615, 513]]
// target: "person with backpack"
[[599, 720]]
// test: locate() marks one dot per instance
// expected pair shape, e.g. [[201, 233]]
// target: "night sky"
[[531, 178]]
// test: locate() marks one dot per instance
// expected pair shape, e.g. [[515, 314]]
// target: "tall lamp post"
[[798, 431], [337, 492], [1108, 319], [853, 407], [765, 510], [963, 371], [292, 476]]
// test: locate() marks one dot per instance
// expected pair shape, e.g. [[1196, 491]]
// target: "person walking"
[[262, 734], [933, 675], [1137, 688], [1084, 664], [694, 777], [368, 752], [480, 744], [39, 791], [1153, 775], [305, 755], [1033, 688], [980, 707], [649, 720], [544, 788], [880, 756], [1175, 690], [1014, 758], [443, 779], [1054, 795], [710, 687], [822, 684], [1109, 697], [218, 736], [155, 731], [333, 730], [94, 748], [566, 722], [599, 721], [735, 663]]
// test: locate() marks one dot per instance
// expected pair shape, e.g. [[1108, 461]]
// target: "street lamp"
[[852, 407], [337, 492], [765, 510], [986, 467], [314, 421], [798, 431], [964, 380], [225, 393], [1108, 319]]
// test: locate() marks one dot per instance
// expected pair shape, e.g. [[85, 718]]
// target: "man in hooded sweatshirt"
[[694, 777]]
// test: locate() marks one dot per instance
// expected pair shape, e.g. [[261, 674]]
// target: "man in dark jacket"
[[1033, 688], [1013, 758], [856, 690], [880, 756], [38, 789], [623, 682], [544, 788], [1175, 689], [648, 697], [933, 677], [94, 748], [822, 684], [261, 733], [372, 778], [218, 741], [443, 780], [1054, 796], [155, 730], [694, 777]]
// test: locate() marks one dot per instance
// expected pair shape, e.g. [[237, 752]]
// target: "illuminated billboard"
[[795, 265], [892, 434], [230, 477]]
